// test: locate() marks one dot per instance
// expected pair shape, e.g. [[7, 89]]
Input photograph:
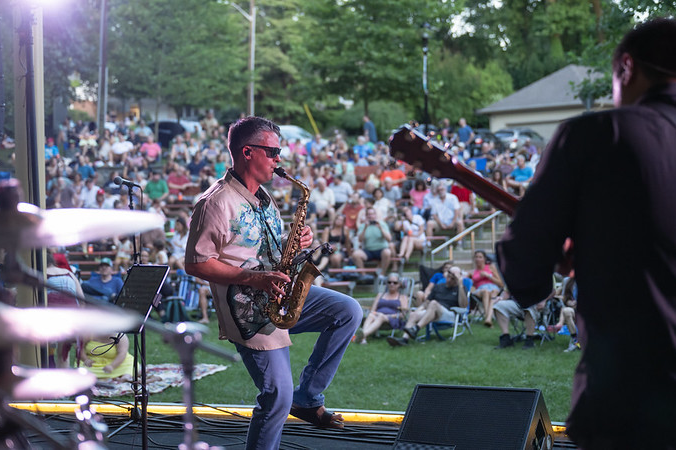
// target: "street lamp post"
[[425, 40], [251, 17], [103, 69]]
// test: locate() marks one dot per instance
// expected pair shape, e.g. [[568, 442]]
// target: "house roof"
[[552, 91]]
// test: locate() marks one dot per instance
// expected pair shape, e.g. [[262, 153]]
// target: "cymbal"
[[41, 325], [31, 227], [46, 384]]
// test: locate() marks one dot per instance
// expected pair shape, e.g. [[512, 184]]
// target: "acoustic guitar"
[[410, 146]]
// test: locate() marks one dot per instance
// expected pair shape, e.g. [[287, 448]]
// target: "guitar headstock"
[[413, 147], [409, 145]]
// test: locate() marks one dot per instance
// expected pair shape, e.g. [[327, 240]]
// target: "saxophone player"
[[235, 243]]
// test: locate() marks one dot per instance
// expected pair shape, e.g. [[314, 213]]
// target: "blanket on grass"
[[159, 377]]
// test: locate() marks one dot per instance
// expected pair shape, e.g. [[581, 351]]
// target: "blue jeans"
[[336, 317]]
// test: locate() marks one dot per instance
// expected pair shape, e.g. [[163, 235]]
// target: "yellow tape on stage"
[[223, 411]]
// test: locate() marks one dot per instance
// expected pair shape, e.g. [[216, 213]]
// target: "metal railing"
[[471, 232]]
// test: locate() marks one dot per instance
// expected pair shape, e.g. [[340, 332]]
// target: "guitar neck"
[[410, 146]]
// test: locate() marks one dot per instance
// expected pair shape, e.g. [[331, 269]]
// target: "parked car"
[[293, 132], [192, 126], [482, 135], [514, 138], [167, 130]]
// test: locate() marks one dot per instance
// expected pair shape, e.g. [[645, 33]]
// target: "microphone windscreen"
[[118, 180]]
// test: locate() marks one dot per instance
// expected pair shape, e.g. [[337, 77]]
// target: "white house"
[[545, 103]]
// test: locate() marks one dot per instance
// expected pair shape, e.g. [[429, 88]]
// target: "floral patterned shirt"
[[238, 228]]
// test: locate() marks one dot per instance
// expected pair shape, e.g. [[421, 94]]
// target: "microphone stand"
[[140, 395], [136, 257]]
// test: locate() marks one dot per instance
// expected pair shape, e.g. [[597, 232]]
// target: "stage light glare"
[[43, 3]]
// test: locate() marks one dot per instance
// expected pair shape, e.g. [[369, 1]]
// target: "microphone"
[[121, 181], [303, 256], [327, 249]]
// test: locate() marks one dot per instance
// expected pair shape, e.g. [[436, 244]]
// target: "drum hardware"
[[22, 226], [186, 337]]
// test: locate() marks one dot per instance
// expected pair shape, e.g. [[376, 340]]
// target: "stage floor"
[[368, 431]]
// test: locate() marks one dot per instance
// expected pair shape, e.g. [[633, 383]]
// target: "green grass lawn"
[[378, 377]]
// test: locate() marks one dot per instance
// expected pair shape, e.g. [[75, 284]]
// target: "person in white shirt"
[[324, 200], [341, 190], [445, 212]]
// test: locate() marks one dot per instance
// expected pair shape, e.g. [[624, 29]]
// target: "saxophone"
[[285, 310]]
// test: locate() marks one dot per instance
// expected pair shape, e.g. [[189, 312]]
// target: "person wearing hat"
[[102, 284], [101, 202]]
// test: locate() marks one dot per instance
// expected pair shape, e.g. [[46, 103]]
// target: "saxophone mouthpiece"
[[280, 172]]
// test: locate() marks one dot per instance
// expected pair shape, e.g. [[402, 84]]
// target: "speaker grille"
[[469, 418]]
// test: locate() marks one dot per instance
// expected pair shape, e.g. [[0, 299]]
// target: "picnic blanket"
[[160, 377]]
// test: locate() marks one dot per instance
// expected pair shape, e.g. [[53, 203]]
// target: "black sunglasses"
[[270, 152], [392, 282]]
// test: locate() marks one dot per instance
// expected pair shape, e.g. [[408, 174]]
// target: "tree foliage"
[[185, 58], [194, 53], [530, 38], [70, 45], [368, 50]]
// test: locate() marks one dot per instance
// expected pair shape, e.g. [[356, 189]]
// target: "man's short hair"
[[245, 130], [652, 45]]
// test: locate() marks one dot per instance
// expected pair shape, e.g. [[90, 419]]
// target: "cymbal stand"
[[185, 337]]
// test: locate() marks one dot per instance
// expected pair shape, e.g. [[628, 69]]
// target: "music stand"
[[139, 293]]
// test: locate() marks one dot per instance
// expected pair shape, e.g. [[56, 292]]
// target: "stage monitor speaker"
[[475, 418]]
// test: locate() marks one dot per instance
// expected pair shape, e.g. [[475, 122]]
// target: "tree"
[[459, 86], [70, 45], [280, 87], [368, 50], [531, 38], [186, 58]]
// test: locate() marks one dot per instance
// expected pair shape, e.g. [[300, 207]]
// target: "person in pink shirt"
[[151, 149]]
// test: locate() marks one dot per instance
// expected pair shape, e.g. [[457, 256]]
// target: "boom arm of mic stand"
[[176, 333]]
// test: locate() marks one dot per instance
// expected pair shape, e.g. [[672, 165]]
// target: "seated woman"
[[338, 236], [390, 307], [413, 228], [108, 357], [177, 244], [417, 194], [486, 284]]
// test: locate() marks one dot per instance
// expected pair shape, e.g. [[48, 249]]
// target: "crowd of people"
[[379, 219]]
